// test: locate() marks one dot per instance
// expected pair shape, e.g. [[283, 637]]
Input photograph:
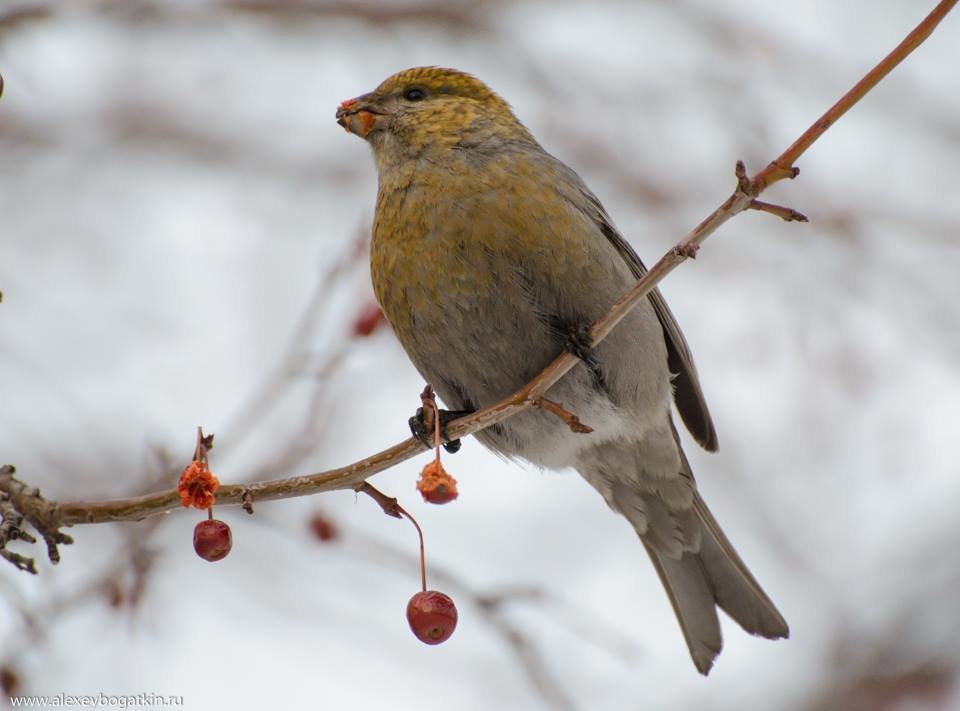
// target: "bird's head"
[[425, 111]]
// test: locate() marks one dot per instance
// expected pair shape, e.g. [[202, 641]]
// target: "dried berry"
[[432, 616], [197, 486], [212, 539], [436, 485]]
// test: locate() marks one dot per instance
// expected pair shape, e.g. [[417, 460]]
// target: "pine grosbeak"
[[489, 256]]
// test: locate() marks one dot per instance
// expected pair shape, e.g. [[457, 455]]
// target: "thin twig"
[[569, 419], [782, 166], [784, 213]]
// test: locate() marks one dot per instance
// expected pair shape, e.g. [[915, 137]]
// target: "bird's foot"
[[418, 428]]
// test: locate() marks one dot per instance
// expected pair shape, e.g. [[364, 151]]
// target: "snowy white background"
[[173, 194]]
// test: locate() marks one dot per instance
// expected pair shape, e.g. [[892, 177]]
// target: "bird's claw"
[[419, 429]]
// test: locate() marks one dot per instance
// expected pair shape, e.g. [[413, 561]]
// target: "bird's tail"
[[715, 576], [696, 563]]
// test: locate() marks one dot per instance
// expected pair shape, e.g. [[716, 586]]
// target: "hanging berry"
[[212, 540], [435, 484], [432, 616], [198, 486]]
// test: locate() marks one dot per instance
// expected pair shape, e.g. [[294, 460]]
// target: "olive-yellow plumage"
[[488, 257]]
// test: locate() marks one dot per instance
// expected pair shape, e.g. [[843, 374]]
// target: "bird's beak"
[[358, 115]]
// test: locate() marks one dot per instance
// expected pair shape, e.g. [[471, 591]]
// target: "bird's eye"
[[415, 94]]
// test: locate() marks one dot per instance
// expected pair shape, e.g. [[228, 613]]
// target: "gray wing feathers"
[[687, 394]]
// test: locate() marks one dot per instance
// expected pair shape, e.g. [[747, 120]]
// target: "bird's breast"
[[463, 293]]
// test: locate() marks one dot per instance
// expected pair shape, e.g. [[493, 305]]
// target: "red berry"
[[322, 527], [212, 540], [432, 616], [368, 320]]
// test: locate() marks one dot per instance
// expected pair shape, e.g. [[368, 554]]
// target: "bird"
[[490, 257]]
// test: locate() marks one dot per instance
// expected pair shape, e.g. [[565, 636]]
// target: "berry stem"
[[423, 560], [391, 507], [196, 448], [204, 445], [428, 399]]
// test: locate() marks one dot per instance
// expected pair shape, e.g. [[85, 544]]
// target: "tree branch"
[[50, 515]]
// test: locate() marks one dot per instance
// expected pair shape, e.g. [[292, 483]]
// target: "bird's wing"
[[687, 394]]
